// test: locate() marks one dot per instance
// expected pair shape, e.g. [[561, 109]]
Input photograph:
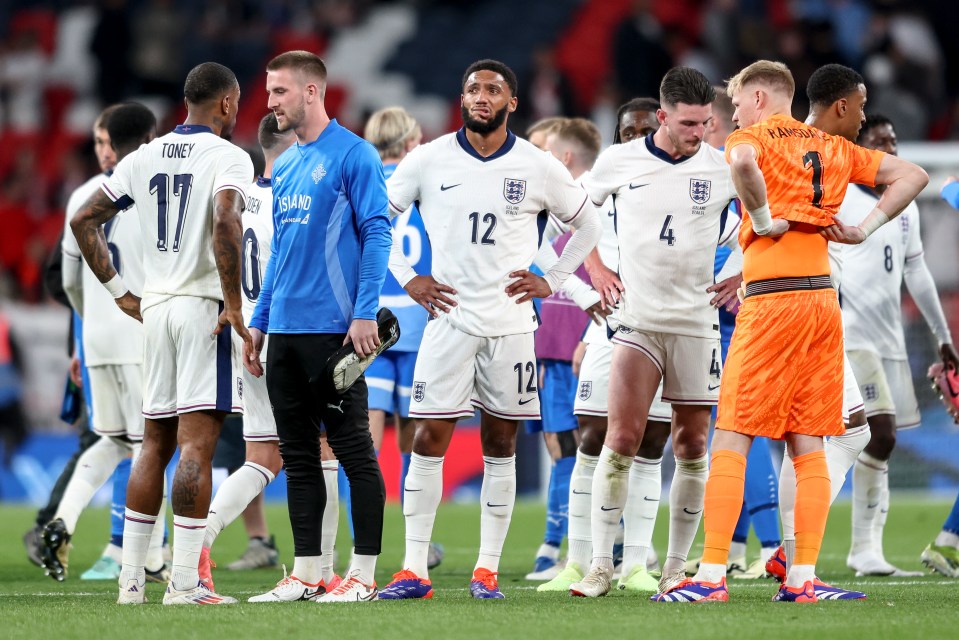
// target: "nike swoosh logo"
[[648, 499], [493, 506], [872, 506], [692, 513], [369, 597], [611, 214], [527, 401], [582, 493], [637, 186], [443, 187], [602, 508], [713, 387], [412, 490]]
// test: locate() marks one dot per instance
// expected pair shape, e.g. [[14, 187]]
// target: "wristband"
[[876, 218], [762, 219], [116, 287]]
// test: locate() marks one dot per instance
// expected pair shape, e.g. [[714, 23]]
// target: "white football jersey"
[[668, 216], [484, 218], [109, 335], [173, 180], [257, 244], [872, 273]]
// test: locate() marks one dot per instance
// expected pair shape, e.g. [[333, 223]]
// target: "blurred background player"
[[113, 350], [262, 461], [394, 133], [761, 504], [671, 192], [872, 278], [485, 186], [191, 287], [575, 142], [635, 119]]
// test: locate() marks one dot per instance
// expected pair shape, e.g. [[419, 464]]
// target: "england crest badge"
[[514, 190], [699, 190]]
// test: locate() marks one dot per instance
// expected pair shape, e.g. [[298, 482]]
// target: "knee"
[[689, 443], [429, 442], [881, 444], [268, 457], [499, 445], [654, 441], [591, 436]]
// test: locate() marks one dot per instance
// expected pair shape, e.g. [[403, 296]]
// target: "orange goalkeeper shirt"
[[806, 173]]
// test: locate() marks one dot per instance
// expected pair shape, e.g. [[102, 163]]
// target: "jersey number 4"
[[160, 186], [666, 235]]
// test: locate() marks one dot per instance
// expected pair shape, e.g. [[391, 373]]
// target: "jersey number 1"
[[160, 186], [812, 160]]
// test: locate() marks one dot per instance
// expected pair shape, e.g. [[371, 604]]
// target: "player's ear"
[[841, 107], [512, 104], [661, 116]]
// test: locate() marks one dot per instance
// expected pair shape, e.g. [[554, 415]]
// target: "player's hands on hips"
[[431, 295], [529, 285], [949, 356], [578, 354], [726, 293], [364, 336], [607, 283], [598, 312], [130, 305], [778, 228], [76, 374], [843, 234], [251, 353]]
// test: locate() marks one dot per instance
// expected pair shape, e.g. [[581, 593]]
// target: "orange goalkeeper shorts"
[[784, 370]]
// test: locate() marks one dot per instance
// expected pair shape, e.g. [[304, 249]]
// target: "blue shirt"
[[950, 193], [416, 247], [332, 237]]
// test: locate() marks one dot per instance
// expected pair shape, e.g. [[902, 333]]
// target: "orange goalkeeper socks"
[[812, 505], [723, 503]]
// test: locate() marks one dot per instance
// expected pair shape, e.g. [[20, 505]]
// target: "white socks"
[[307, 569], [233, 496], [137, 529], [187, 543], [362, 568], [497, 497], [331, 518], [685, 510], [947, 539], [421, 499], [93, 469], [610, 487], [868, 479], [580, 533], [800, 574], [642, 507]]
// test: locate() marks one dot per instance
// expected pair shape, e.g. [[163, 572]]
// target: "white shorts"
[[117, 391], [259, 425], [851, 398], [185, 367], [886, 387], [592, 394], [691, 367], [456, 372]]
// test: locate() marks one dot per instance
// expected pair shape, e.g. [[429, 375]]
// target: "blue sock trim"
[[952, 520], [119, 500]]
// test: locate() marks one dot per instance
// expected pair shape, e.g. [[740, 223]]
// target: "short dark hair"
[[831, 82], [104, 118], [872, 121], [130, 124], [685, 85], [303, 61], [208, 81], [268, 134], [650, 105], [495, 66]]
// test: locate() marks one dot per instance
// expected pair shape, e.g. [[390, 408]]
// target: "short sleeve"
[[601, 182], [743, 136], [119, 186], [565, 199], [864, 163], [234, 171], [403, 187]]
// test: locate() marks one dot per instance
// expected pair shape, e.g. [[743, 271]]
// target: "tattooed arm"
[[227, 237], [87, 227]]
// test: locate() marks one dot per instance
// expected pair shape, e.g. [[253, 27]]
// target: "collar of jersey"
[[327, 131], [662, 155], [264, 182], [187, 129], [468, 148]]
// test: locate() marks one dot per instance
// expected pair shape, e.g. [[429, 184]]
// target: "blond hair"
[[545, 125], [389, 129], [582, 134], [773, 75]]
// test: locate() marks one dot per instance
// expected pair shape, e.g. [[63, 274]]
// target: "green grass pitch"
[[33, 606]]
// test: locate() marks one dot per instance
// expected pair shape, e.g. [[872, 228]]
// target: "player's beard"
[[293, 117], [480, 127]]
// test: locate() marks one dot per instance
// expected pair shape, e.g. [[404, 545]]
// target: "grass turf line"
[[34, 606]]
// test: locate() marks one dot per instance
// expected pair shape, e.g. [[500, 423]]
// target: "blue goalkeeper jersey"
[[332, 236], [416, 247]]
